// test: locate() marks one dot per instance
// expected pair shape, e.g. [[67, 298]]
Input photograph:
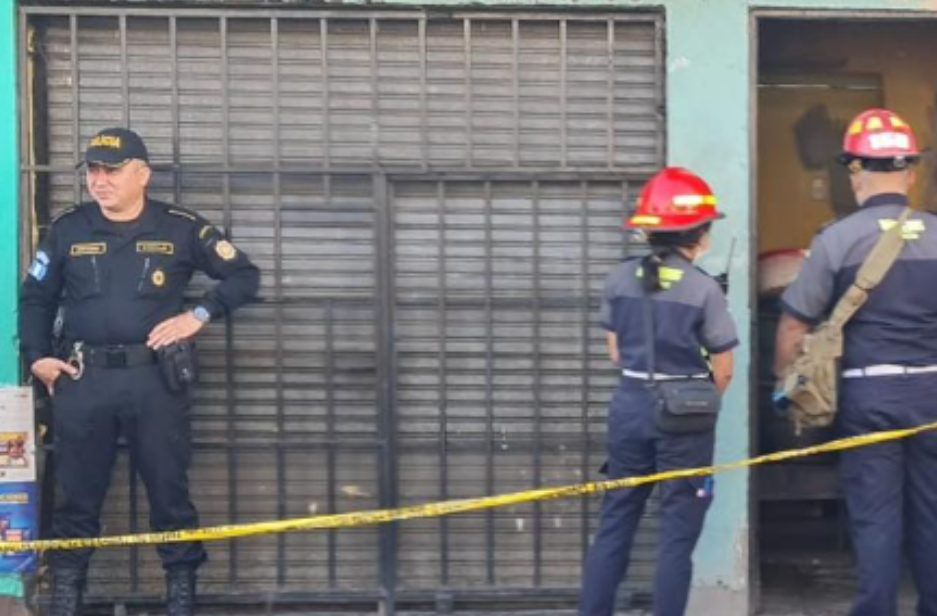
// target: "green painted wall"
[[10, 585], [708, 131], [9, 200]]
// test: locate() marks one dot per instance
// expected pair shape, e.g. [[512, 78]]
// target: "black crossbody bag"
[[681, 406]]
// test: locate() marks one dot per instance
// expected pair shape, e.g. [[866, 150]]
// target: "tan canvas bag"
[[811, 381]]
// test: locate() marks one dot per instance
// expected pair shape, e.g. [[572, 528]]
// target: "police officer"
[[889, 363], [117, 267], [675, 209]]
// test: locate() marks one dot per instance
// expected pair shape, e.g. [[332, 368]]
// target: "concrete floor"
[[821, 602], [796, 596], [816, 577]]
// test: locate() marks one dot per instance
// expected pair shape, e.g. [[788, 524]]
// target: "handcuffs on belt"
[[77, 359], [178, 362]]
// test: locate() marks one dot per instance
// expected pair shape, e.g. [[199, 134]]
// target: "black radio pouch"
[[686, 406], [179, 365]]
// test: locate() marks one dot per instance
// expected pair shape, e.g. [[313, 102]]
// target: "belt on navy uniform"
[[118, 355], [644, 376], [886, 370]]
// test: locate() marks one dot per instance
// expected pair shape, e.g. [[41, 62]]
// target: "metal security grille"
[[501, 381], [434, 200]]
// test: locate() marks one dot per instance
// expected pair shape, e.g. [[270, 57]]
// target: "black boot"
[[67, 588], [180, 592]]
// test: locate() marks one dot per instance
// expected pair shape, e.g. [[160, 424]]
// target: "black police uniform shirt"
[[898, 323], [691, 317], [117, 281]]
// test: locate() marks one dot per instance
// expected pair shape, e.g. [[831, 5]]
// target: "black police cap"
[[115, 147]]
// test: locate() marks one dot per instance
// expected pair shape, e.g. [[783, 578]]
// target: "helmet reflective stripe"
[[880, 141], [693, 200], [646, 220]]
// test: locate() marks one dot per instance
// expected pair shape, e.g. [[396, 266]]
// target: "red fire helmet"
[[675, 199], [879, 133]]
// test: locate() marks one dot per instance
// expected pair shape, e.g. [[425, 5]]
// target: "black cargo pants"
[[89, 416]]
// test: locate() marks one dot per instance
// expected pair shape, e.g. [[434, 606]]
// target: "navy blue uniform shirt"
[[117, 281], [898, 323], [690, 316]]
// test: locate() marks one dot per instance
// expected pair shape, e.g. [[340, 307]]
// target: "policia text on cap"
[[117, 267]]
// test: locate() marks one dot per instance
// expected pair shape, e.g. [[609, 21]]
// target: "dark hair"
[[664, 244]]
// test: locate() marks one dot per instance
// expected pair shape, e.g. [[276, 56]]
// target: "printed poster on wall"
[[19, 521], [19, 511], [17, 435]]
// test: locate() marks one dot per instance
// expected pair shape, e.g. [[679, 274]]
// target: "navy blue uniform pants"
[[891, 489], [636, 447], [90, 414]]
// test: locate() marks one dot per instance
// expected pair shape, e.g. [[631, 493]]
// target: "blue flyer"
[[18, 522]]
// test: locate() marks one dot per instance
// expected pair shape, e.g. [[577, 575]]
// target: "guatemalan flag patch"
[[40, 266]]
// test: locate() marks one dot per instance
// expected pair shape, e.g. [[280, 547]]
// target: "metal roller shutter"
[[502, 381], [434, 200]]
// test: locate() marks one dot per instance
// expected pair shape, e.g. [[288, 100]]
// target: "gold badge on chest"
[[158, 278]]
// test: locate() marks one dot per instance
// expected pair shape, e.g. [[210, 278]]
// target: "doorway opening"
[[814, 76]]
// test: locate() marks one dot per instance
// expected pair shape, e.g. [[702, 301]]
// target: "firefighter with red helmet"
[[662, 317], [879, 140], [889, 363]]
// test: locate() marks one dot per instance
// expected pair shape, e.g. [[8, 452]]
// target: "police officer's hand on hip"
[[174, 329], [48, 369], [117, 268]]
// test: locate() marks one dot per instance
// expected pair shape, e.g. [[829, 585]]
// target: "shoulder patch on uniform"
[[40, 266], [226, 250], [668, 276], [182, 213], [910, 230]]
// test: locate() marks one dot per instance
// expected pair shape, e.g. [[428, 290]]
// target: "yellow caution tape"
[[367, 518]]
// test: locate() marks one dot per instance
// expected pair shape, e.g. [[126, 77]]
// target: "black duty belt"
[[118, 355]]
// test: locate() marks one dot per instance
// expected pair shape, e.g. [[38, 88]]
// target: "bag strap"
[[873, 270], [649, 338]]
